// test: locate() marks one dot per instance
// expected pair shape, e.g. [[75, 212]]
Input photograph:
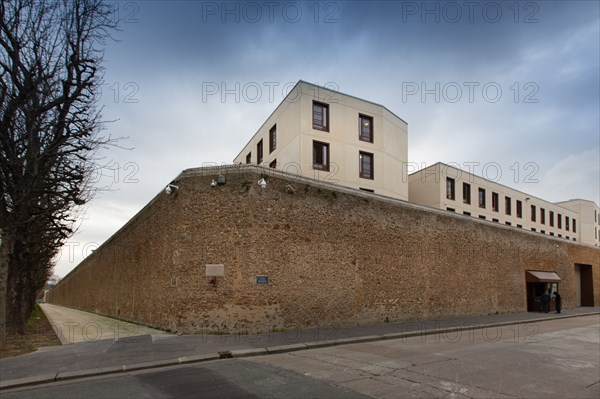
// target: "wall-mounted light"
[[262, 183], [171, 188]]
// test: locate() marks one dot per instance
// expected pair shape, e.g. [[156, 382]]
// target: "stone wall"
[[333, 256]]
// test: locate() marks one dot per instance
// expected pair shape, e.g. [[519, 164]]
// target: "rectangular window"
[[367, 190], [320, 116], [249, 157], [551, 216], [574, 226], [320, 155], [520, 226], [259, 152], [559, 220], [365, 128], [495, 220], [466, 193], [365, 165], [451, 209], [533, 211], [542, 216], [449, 188], [482, 217], [552, 234], [519, 209], [482, 198], [533, 229], [273, 164], [495, 200], [567, 223], [507, 223], [507, 205], [273, 138], [467, 213]]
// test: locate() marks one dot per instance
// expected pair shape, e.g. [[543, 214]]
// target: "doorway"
[[537, 283], [584, 285]]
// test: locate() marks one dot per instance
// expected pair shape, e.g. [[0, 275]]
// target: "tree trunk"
[[4, 262]]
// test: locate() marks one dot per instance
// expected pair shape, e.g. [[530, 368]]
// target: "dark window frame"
[[321, 166], [466, 193], [450, 188], [273, 164], [249, 157], [519, 209], [481, 197], [507, 205], [273, 138], [533, 210], [542, 216], [259, 152], [495, 202], [324, 126], [361, 172], [367, 138], [551, 218]]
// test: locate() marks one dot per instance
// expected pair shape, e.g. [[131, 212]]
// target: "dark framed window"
[[559, 220], [567, 223], [365, 161], [320, 116], [482, 217], [273, 164], [367, 190], [481, 193], [542, 216], [574, 226], [320, 155], [249, 157], [450, 188], [466, 193], [508, 223], [495, 202], [551, 217], [519, 209], [533, 218], [259, 152], [467, 213], [273, 138], [365, 128], [450, 209], [507, 205]]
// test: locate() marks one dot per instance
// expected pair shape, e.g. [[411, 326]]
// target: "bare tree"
[[50, 126]]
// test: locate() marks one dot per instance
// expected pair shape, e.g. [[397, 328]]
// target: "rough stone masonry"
[[325, 256]]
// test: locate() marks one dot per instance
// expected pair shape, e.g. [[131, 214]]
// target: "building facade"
[[333, 137], [589, 219], [445, 187]]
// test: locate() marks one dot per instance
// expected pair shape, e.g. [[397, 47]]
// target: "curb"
[[240, 353]]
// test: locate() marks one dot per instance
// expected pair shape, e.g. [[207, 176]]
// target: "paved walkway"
[[73, 326], [102, 356]]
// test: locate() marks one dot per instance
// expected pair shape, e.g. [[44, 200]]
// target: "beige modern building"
[[589, 219], [333, 137], [446, 187]]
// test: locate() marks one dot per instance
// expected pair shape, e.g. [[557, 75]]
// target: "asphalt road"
[[550, 359]]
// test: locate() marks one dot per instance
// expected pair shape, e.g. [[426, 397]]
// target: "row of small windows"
[[481, 199], [321, 160], [259, 146]]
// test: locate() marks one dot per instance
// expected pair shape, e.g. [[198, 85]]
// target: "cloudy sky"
[[509, 89]]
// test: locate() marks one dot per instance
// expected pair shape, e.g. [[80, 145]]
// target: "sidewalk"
[[107, 356], [72, 326]]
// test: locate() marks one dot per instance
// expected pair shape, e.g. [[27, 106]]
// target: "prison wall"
[[333, 256]]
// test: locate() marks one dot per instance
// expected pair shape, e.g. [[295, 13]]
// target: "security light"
[[170, 188], [262, 183]]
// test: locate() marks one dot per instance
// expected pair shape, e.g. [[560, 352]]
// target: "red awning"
[[541, 277]]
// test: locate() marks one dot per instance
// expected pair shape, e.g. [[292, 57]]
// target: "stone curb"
[[239, 353]]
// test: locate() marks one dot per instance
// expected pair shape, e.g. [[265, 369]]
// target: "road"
[[550, 359]]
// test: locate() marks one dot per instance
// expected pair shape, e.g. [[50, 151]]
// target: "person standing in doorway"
[[558, 301], [545, 299]]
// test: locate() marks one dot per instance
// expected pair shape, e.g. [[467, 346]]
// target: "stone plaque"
[[215, 270]]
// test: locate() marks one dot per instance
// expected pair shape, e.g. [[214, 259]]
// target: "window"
[[520, 226], [551, 216], [519, 209], [482, 217], [495, 200], [507, 205], [542, 216], [482, 198], [451, 209], [365, 165], [273, 138], [365, 128], [367, 190], [249, 157], [533, 229], [552, 234], [574, 226], [449, 188], [466, 193], [467, 213], [259, 152], [320, 155], [533, 213], [273, 164], [508, 223], [543, 231], [320, 116], [495, 220], [567, 223], [559, 220]]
